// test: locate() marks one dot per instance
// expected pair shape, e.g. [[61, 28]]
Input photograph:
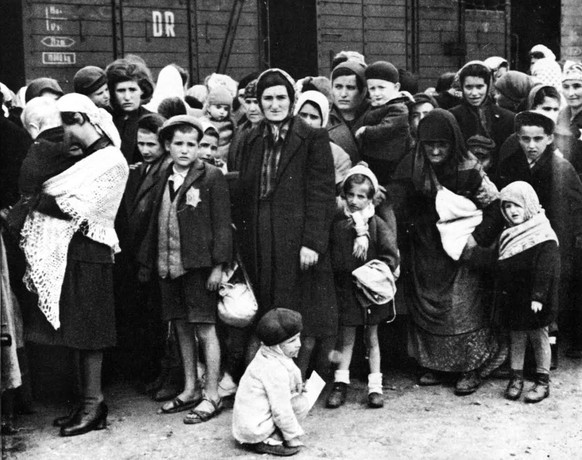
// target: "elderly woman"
[[69, 241], [449, 330], [286, 201]]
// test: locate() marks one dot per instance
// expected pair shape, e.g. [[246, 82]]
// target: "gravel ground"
[[416, 423]]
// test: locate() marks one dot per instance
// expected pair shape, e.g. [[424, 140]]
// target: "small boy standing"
[[529, 275], [269, 403], [217, 110], [385, 136], [192, 241]]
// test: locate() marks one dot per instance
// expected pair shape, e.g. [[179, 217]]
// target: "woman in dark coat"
[[286, 201], [450, 329]]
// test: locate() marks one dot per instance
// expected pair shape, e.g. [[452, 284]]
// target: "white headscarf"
[[169, 85], [100, 118], [319, 100]]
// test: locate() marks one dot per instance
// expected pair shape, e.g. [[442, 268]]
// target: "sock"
[[375, 382], [342, 376]]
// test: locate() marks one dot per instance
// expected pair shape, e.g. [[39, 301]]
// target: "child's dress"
[[263, 402], [383, 246]]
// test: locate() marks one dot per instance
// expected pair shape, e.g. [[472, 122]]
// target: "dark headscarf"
[[439, 125]]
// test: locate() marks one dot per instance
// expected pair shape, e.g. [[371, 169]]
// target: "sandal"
[[198, 416], [177, 405]]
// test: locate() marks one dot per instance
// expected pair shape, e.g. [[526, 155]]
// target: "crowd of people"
[[341, 202]]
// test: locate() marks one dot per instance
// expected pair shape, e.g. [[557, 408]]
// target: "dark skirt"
[[87, 309], [187, 298], [351, 313]]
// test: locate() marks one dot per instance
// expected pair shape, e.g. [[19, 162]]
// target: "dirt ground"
[[416, 423]]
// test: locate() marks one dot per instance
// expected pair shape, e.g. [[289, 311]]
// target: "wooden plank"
[[384, 36], [341, 9], [385, 11]]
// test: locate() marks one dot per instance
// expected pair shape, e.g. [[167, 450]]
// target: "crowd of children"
[[328, 194]]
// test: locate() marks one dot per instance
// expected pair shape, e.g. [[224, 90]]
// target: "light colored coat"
[[263, 400]]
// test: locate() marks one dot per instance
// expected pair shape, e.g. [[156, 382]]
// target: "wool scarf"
[[536, 230]]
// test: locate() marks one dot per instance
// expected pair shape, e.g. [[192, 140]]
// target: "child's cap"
[[219, 96], [89, 79], [362, 168], [572, 71], [522, 194], [531, 118], [179, 120], [481, 142], [382, 70], [278, 325]]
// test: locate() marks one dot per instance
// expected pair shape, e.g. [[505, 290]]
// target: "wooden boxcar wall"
[[571, 26]]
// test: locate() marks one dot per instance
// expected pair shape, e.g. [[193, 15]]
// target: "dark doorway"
[[292, 36], [533, 22], [12, 55]]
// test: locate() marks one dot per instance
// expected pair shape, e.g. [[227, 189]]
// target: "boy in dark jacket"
[[385, 135]]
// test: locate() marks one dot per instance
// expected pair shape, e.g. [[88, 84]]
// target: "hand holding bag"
[[237, 305]]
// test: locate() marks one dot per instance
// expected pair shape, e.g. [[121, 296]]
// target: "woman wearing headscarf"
[[169, 85], [69, 241], [513, 89], [450, 329], [286, 201]]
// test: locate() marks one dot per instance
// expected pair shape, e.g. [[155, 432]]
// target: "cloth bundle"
[[376, 282]]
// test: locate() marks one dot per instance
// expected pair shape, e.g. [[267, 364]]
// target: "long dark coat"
[[300, 212]]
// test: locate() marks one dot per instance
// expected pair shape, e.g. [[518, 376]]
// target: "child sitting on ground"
[[359, 236], [529, 274], [269, 403], [217, 110], [385, 136]]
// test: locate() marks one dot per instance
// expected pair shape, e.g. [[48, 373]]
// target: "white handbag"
[[237, 305]]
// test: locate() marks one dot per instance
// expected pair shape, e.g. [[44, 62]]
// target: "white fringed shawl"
[[90, 192]]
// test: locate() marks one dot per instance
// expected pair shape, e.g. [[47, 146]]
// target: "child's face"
[[183, 149], [550, 107], [218, 112], [128, 95], [149, 145], [290, 347], [572, 91], [474, 90], [437, 152], [534, 141], [357, 197], [310, 115], [208, 147], [382, 91], [253, 110], [514, 212], [100, 97]]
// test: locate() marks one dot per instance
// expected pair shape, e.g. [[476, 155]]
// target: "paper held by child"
[[313, 388]]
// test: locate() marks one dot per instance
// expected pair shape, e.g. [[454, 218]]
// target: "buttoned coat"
[[301, 209]]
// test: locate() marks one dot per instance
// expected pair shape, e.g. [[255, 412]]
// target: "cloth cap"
[[89, 79], [219, 96], [572, 71], [362, 168], [317, 98], [495, 62], [531, 118], [382, 70], [75, 102], [37, 86], [522, 194], [350, 68], [278, 325], [481, 141], [178, 120]]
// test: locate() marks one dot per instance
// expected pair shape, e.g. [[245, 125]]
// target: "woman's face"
[[572, 91], [253, 110], [437, 152], [550, 107], [346, 95], [474, 90], [100, 97], [310, 115], [275, 103], [514, 212], [128, 95]]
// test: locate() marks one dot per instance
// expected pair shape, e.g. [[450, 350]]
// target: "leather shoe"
[[88, 418], [540, 390], [467, 383], [514, 387], [67, 419], [375, 400], [280, 450], [337, 396]]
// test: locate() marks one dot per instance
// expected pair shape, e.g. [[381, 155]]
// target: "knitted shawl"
[[90, 192]]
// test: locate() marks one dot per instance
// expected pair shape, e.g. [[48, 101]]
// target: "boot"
[[515, 386], [540, 390]]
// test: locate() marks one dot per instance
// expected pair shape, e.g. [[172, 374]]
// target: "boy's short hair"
[[182, 123], [151, 122], [530, 118]]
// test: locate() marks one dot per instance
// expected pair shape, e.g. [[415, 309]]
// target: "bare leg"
[[92, 364], [348, 339], [374, 349], [211, 349]]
